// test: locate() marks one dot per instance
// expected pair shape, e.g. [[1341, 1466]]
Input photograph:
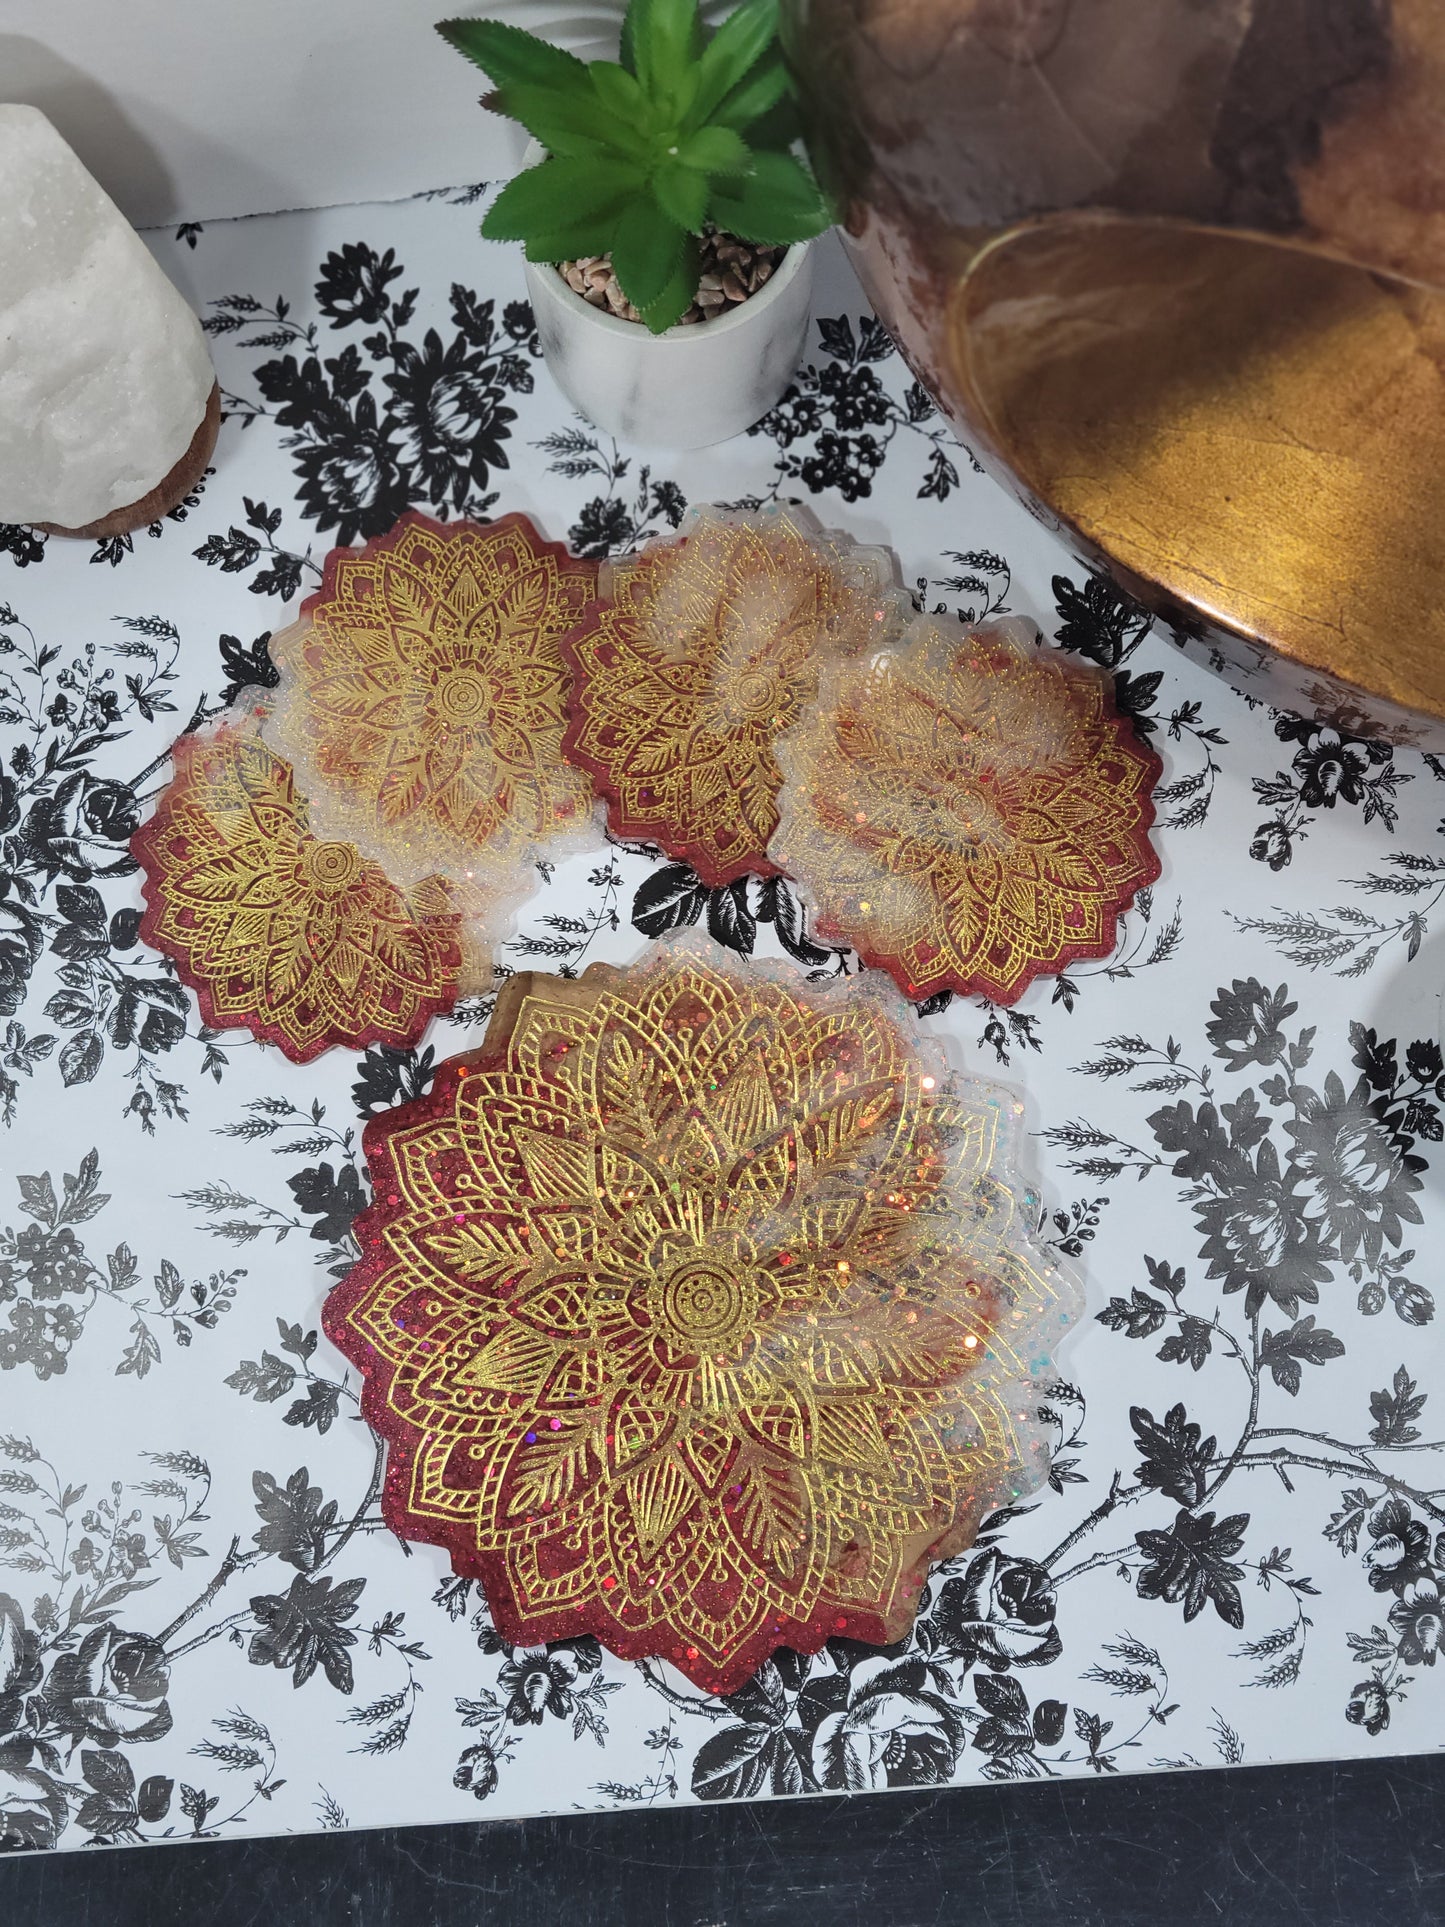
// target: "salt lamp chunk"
[[106, 388]]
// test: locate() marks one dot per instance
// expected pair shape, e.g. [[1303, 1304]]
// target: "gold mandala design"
[[966, 811], [422, 702], [299, 939], [698, 1308], [699, 654]]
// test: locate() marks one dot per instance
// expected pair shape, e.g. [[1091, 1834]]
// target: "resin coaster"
[[967, 812], [700, 652], [422, 702], [700, 1311], [298, 939]]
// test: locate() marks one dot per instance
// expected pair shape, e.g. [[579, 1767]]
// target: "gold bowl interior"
[[1252, 427]]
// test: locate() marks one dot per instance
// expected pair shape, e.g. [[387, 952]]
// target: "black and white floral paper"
[[204, 1630]]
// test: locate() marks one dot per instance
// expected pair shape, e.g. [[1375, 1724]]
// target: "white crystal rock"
[[104, 374]]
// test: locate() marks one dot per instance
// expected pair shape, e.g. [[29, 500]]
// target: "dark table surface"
[[1341, 1845]]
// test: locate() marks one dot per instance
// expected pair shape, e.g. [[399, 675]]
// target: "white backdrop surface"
[[187, 110]]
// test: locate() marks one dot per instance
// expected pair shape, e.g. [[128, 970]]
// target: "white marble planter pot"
[[689, 387]]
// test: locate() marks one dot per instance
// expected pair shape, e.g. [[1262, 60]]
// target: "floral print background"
[[1236, 1123]]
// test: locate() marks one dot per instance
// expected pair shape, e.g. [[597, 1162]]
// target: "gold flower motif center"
[[756, 695], [463, 696], [330, 867], [703, 1305]]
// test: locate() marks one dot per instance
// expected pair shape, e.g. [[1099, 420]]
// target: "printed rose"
[[1369, 1707], [893, 1732], [477, 1772], [1000, 1611], [113, 1689], [1419, 1619], [32, 1807], [1401, 1550], [1362, 1182], [1247, 1023], [450, 416], [20, 1667], [109, 810], [538, 1684], [1272, 845], [1332, 769]]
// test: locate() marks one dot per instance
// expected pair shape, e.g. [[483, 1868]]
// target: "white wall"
[[188, 110]]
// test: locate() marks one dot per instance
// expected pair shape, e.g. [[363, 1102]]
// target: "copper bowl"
[[1175, 269]]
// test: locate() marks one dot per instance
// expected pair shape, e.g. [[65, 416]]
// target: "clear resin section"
[[966, 811], [422, 703], [701, 652]]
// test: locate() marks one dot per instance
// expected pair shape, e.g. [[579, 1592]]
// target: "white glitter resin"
[[104, 374]]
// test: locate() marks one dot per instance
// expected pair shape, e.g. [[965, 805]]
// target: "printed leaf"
[[1302, 1344], [1190, 1345], [295, 1522], [1191, 1564], [1393, 1412], [305, 1628], [669, 899], [1139, 1315], [1176, 1458]]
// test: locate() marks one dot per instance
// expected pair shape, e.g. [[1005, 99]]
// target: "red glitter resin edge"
[[152, 897], [401, 1439], [672, 839], [413, 518], [980, 984]]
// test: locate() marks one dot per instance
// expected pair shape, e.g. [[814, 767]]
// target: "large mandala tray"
[[701, 1311]]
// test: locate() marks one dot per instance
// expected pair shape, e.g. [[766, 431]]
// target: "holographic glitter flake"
[[701, 651], [297, 938], [965, 811], [422, 702], [700, 1309]]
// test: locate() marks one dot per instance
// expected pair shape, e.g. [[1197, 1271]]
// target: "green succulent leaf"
[[557, 197], [677, 297], [661, 37], [569, 244], [739, 43], [512, 56], [778, 203], [752, 98], [648, 253], [643, 152], [571, 127], [716, 150], [681, 194], [619, 92]]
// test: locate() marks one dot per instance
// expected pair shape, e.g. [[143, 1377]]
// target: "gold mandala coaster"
[[700, 1309], [422, 702], [966, 811], [699, 653], [297, 938]]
